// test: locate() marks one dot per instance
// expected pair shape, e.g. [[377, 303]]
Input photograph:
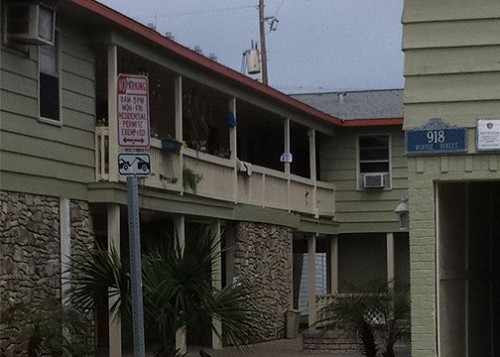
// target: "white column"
[[233, 149], [115, 326], [179, 135], [312, 153], [334, 264], [390, 259], [178, 108], [180, 233], [65, 237], [286, 149], [311, 277], [215, 231], [312, 168], [112, 113], [229, 253]]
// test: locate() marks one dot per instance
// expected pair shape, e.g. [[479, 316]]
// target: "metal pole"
[[135, 266], [263, 50]]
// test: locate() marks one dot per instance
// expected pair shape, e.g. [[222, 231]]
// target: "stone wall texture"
[[30, 251], [263, 255]]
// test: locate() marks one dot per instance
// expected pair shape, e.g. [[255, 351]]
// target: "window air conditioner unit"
[[373, 181], [30, 22]]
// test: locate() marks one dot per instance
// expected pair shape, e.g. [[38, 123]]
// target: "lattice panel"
[[374, 317]]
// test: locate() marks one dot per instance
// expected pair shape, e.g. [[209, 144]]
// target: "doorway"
[[468, 242]]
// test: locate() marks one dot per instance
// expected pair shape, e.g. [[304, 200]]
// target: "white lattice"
[[374, 317]]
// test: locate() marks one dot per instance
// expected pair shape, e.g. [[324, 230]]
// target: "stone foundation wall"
[[30, 252], [336, 341], [263, 255], [342, 344]]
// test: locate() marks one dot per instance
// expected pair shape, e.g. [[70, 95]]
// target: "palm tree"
[[177, 291], [351, 311]]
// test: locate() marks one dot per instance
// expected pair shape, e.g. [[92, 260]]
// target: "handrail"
[[260, 186]]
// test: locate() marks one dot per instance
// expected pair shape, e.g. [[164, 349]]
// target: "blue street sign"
[[436, 137]]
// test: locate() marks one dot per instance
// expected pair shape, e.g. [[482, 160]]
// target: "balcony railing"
[[225, 179]]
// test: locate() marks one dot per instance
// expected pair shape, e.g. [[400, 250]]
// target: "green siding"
[[432, 10], [363, 260], [38, 157], [363, 210], [452, 71]]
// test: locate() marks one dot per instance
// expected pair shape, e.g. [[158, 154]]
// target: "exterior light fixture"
[[402, 211]]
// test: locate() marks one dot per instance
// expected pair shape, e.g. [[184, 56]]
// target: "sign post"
[[133, 134]]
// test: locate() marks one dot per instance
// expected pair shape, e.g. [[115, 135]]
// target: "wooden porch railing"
[[224, 179]]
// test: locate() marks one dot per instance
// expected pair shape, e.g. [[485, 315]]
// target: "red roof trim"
[[372, 122], [201, 60]]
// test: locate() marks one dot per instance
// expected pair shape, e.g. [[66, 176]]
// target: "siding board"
[[22, 85], [452, 60], [78, 66], [461, 113], [78, 84], [43, 186], [452, 34], [40, 167], [19, 63], [443, 10], [78, 102], [32, 128], [452, 88], [49, 150], [16, 103]]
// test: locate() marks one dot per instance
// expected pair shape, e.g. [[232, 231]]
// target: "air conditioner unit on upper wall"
[[30, 22], [373, 180]]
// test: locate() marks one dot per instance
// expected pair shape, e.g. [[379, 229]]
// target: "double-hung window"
[[49, 82], [374, 164]]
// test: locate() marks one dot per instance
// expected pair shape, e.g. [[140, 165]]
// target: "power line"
[[200, 12]]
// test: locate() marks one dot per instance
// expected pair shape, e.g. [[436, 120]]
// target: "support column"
[[179, 135], [115, 326], [390, 259], [334, 265], [286, 150], [229, 253], [112, 113], [311, 278], [178, 108], [312, 168], [180, 233], [65, 237], [233, 149], [215, 231]]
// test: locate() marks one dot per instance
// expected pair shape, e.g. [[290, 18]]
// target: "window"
[[49, 93], [374, 161]]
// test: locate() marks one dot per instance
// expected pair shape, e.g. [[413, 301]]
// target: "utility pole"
[[263, 51]]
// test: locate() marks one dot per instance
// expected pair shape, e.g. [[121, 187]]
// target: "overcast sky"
[[319, 45]]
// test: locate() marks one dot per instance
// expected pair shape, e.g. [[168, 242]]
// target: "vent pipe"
[[198, 50]]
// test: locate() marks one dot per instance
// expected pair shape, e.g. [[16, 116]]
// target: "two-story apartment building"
[[366, 162], [278, 175], [452, 71]]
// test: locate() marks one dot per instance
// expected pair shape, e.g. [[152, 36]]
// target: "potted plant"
[[170, 144]]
